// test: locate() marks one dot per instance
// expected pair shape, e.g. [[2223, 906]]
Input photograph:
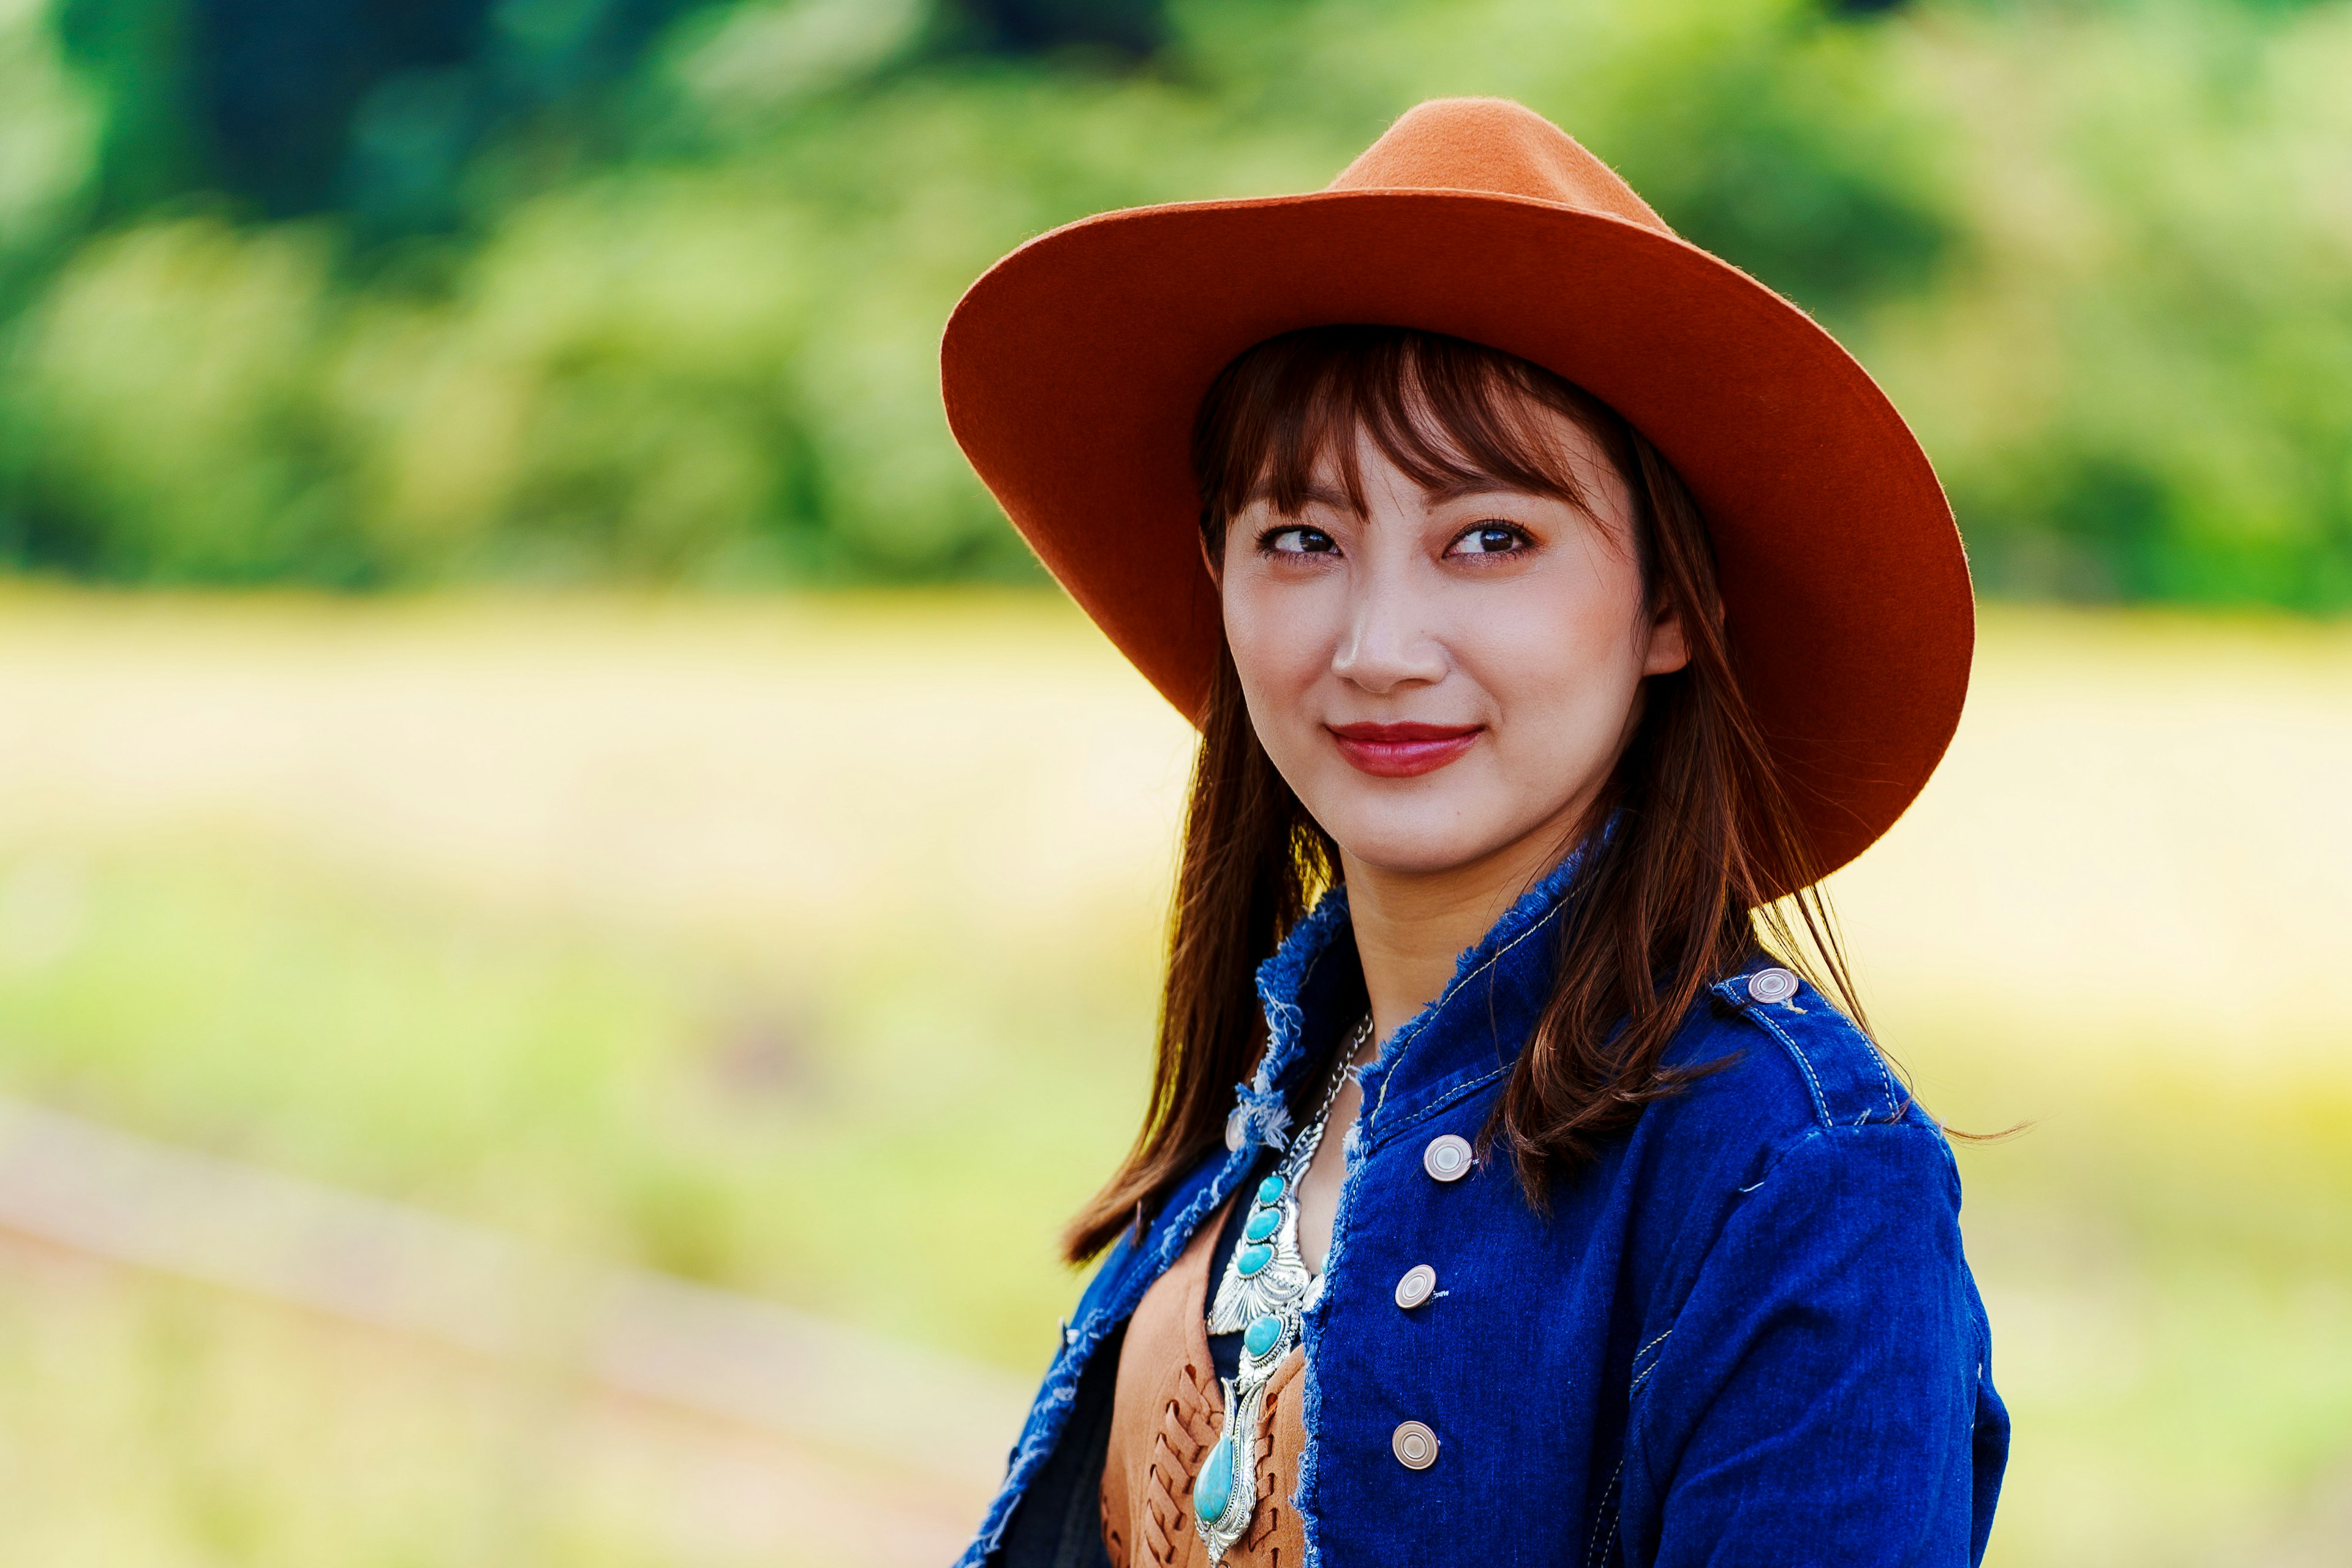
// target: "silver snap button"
[[1416, 1286], [1237, 1129], [1771, 986], [1414, 1445], [1447, 1157]]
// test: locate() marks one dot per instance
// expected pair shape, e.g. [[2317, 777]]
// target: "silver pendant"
[[1278, 1286], [1228, 1480], [1262, 1297], [1265, 1306]]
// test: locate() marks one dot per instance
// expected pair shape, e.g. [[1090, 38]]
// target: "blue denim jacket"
[[1745, 1336]]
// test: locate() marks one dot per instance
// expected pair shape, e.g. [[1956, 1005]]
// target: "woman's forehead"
[[1548, 455]]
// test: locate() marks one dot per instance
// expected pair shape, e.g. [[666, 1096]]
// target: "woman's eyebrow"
[[1480, 484], [1312, 495], [1466, 487]]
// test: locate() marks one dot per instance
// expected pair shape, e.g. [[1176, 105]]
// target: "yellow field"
[[805, 947]]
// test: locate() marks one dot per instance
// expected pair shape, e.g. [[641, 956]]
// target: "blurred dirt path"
[[540, 1462], [854, 1449]]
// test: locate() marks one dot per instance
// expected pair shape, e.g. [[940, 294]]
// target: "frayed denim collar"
[[1262, 1115], [1505, 969]]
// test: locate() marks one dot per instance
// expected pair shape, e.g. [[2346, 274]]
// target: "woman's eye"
[[1490, 539], [1298, 542]]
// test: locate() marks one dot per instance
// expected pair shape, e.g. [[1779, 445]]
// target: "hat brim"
[[1072, 370]]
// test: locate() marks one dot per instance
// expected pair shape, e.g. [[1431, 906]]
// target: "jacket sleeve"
[[1822, 1395]]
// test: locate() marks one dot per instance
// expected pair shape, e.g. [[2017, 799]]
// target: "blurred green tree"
[[652, 288]]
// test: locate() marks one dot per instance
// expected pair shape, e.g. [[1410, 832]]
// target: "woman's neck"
[[1411, 927]]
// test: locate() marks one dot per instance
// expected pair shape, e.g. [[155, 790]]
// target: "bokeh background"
[[574, 912]]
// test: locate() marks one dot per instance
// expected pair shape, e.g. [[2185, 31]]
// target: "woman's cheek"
[[1275, 650], [1563, 695], [1275, 686]]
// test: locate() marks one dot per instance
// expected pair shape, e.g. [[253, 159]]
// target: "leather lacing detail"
[[1190, 1422], [1188, 1425], [1272, 1500]]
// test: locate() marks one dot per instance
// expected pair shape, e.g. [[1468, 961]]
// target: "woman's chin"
[[1448, 835], [1418, 850]]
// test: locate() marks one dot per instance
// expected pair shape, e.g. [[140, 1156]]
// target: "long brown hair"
[[1695, 878]]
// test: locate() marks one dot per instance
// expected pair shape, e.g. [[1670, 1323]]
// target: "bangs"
[[1451, 415]]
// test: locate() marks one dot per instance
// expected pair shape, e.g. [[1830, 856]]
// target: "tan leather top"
[[1166, 1413]]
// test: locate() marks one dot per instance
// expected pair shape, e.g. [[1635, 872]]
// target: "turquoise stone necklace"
[[1263, 1297]]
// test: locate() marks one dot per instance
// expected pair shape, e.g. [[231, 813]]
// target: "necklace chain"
[[1301, 1154]]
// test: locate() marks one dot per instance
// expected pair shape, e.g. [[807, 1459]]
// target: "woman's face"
[[1447, 676]]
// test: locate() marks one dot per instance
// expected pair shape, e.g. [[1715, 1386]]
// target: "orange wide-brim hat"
[[1072, 371]]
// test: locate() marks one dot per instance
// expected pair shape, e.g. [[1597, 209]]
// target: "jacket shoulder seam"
[[1849, 1098]]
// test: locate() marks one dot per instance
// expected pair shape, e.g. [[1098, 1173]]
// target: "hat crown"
[[1498, 147]]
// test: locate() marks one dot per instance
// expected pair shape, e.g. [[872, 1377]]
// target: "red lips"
[[1402, 751]]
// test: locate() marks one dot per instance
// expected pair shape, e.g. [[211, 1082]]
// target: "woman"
[[1557, 605]]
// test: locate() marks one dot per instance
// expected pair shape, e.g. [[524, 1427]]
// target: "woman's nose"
[[1388, 642]]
